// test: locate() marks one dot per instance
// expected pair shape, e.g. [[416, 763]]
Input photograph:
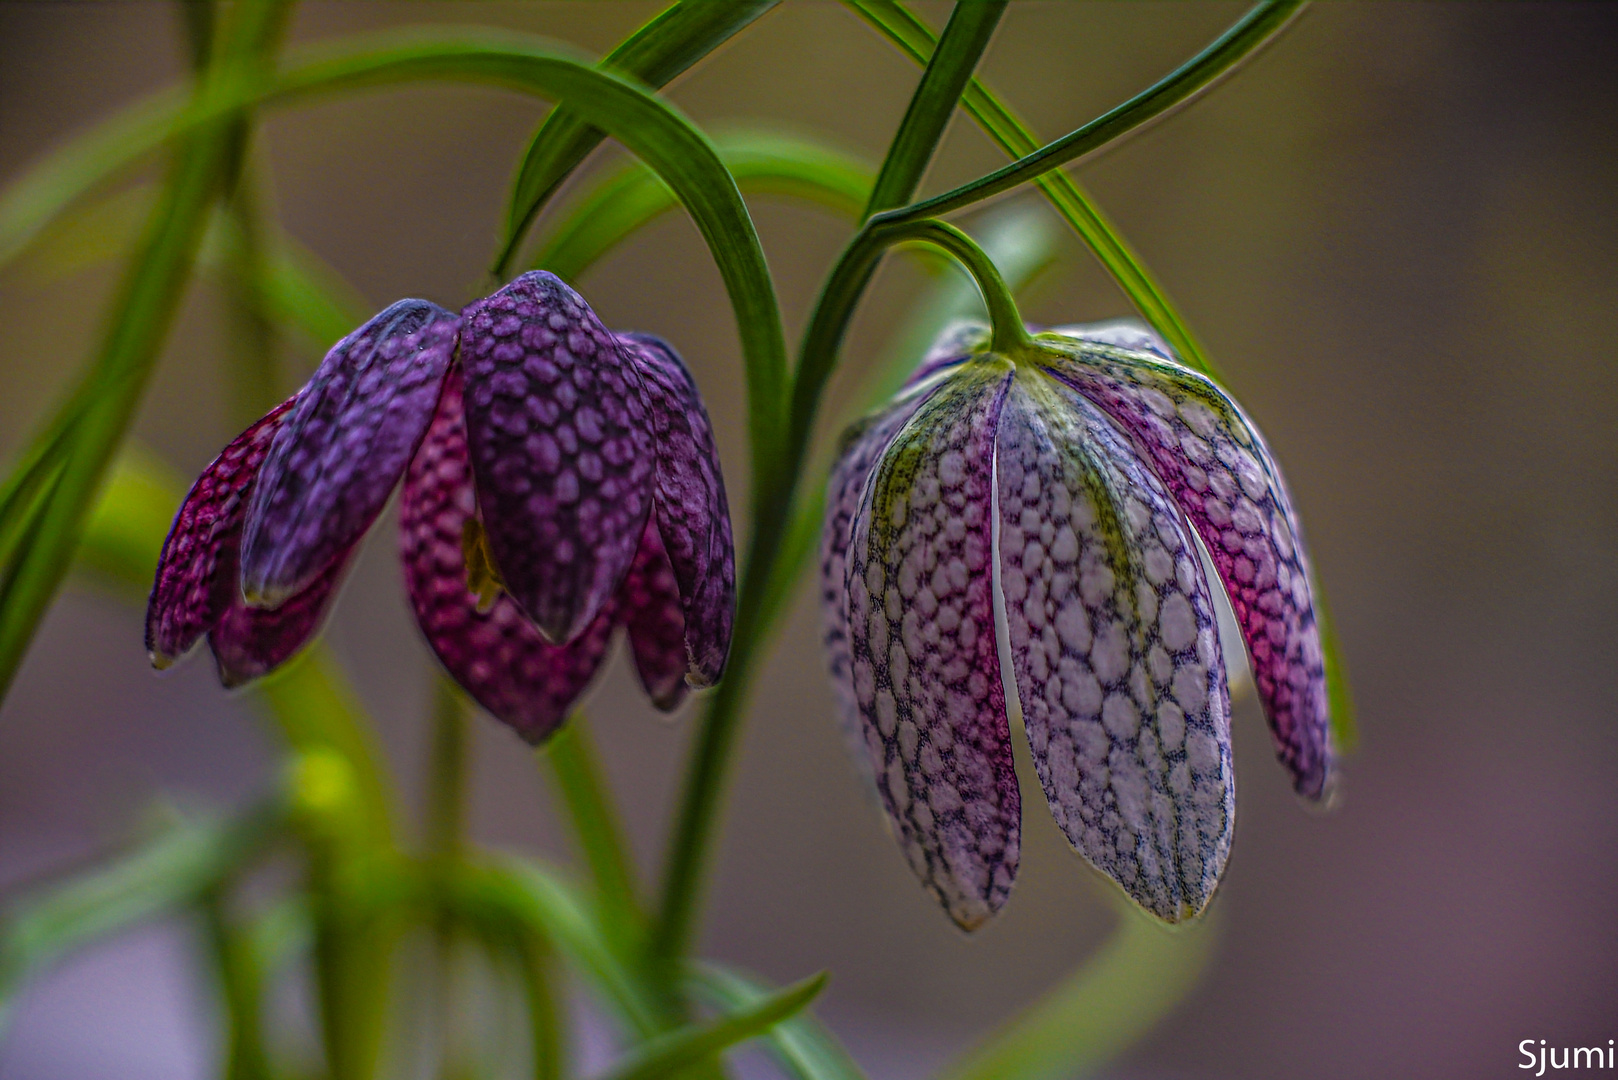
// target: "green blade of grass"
[[694, 1044], [164, 874], [655, 54], [916, 40], [801, 1045]]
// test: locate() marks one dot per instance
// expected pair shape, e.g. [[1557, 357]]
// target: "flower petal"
[[561, 449], [1115, 649], [649, 605], [692, 514], [196, 573], [250, 642], [1226, 481], [926, 670], [497, 655], [340, 453], [863, 444]]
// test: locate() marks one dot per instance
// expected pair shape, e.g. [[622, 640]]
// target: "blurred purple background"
[[1395, 233]]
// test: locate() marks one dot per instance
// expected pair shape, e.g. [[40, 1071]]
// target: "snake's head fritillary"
[[1040, 513], [559, 480]]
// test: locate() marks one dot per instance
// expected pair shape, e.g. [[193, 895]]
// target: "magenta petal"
[[1115, 651], [561, 449], [926, 669], [497, 656], [692, 514], [342, 451], [1226, 481], [650, 607], [196, 573], [250, 642]]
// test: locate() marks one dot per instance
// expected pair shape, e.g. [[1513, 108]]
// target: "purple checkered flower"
[[1041, 514], [560, 480]]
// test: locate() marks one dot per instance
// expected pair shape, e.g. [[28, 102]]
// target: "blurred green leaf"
[[83, 438], [683, 34], [1345, 732], [544, 899], [763, 163], [667, 1054], [127, 527], [801, 1045], [1140, 975], [581, 787], [158, 876], [298, 291]]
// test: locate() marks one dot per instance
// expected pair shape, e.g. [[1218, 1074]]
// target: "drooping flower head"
[[560, 480], [1040, 512]]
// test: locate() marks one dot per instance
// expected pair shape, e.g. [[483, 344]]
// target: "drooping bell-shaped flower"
[[559, 481], [1038, 511]]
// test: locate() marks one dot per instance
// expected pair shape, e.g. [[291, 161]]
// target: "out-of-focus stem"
[[582, 790], [241, 984]]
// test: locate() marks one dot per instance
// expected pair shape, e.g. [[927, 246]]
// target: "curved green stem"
[[776, 480], [1009, 334], [583, 791], [913, 37]]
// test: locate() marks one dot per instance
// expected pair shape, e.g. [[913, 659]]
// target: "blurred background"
[[1394, 232]]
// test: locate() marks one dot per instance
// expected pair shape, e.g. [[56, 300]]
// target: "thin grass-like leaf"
[[1252, 30], [164, 874], [581, 788], [666, 1055], [916, 40], [655, 54], [89, 428], [801, 1045]]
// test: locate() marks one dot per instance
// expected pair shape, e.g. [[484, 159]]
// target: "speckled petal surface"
[[341, 452], [863, 444], [691, 511], [652, 612], [497, 656], [196, 573], [925, 667], [251, 642], [1115, 649], [561, 449], [1226, 481]]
